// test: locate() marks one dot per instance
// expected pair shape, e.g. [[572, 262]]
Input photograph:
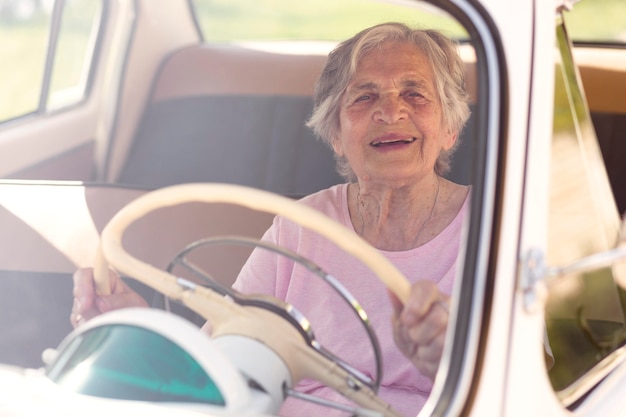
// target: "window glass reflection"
[[585, 315]]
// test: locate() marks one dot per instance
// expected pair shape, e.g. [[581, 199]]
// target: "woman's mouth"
[[386, 142]]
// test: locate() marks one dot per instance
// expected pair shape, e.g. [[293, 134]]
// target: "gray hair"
[[341, 65]]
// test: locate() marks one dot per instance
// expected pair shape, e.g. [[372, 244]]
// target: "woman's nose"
[[391, 109]]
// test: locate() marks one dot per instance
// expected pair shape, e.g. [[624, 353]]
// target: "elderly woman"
[[391, 102]]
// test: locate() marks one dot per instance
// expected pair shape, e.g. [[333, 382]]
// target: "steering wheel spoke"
[[285, 310]]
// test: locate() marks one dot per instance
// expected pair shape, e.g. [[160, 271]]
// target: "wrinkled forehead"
[[384, 50], [403, 62]]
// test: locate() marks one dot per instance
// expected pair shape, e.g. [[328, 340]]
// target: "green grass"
[[598, 20], [23, 53], [21, 71]]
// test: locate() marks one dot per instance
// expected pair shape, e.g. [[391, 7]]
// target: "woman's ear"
[[337, 145], [450, 140]]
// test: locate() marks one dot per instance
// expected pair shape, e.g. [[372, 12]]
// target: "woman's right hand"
[[419, 326], [88, 304]]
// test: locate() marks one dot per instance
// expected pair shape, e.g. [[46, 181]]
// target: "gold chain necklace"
[[360, 204]]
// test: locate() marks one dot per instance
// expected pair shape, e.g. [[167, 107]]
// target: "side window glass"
[[47, 65], [585, 24], [74, 52], [585, 311], [24, 58]]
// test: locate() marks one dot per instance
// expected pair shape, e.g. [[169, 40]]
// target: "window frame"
[[459, 374]]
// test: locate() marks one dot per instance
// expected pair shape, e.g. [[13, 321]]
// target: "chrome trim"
[[283, 309], [588, 263]]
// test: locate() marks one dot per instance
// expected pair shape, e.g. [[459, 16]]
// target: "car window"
[[585, 311], [598, 21], [284, 22], [236, 20], [73, 52], [46, 65]]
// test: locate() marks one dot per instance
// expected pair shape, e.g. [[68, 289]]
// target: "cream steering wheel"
[[227, 317]]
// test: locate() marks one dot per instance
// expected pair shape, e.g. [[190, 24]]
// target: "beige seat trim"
[[235, 70]]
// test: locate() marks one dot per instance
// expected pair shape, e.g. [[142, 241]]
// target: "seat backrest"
[[232, 114]]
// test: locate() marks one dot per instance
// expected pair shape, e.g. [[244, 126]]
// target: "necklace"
[[361, 204], [432, 210]]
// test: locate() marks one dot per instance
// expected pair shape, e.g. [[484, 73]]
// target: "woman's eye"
[[363, 97], [413, 94]]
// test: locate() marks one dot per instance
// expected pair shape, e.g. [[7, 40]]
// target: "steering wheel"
[[230, 318]]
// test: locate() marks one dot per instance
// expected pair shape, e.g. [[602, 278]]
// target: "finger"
[[433, 349], [423, 294], [433, 324], [84, 290], [411, 320], [80, 316], [431, 352], [428, 368], [403, 342], [124, 297], [116, 284], [75, 316]]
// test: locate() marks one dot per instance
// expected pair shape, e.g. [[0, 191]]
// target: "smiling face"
[[391, 124]]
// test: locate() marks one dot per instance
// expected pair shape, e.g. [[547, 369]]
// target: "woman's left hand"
[[419, 326]]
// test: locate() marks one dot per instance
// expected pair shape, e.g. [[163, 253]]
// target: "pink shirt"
[[335, 326]]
